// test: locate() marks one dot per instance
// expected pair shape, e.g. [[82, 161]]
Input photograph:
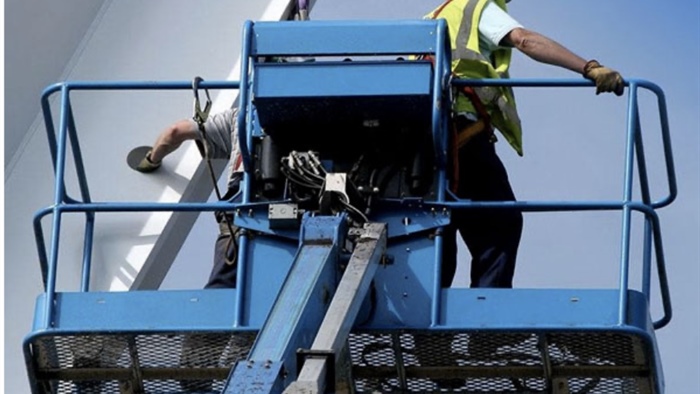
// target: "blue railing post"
[[435, 305], [59, 198], [646, 199], [41, 245], [85, 195], [627, 198], [243, 103], [442, 70], [240, 278]]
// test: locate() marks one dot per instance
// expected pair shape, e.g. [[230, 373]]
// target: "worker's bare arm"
[[171, 138], [544, 49]]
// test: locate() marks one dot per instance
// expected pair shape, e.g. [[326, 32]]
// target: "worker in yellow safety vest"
[[482, 35]]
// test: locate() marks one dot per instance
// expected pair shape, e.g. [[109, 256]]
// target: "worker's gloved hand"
[[606, 79], [146, 165]]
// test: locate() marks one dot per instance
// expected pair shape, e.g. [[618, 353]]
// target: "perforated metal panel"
[[385, 362], [160, 363], [481, 362]]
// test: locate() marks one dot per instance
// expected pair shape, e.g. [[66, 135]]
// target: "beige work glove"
[[146, 165], [606, 79]]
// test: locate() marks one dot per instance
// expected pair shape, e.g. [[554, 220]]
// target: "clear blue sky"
[[574, 146]]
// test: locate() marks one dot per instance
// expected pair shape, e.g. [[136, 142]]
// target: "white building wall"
[[158, 40], [38, 46]]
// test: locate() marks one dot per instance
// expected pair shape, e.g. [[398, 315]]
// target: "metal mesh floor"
[[446, 362], [381, 362], [106, 364]]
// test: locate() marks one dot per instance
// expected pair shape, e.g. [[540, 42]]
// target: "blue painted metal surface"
[[366, 38], [533, 309], [398, 37], [298, 310], [337, 79], [405, 287], [252, 377], [177, 310], [272, 257], [322, 94]]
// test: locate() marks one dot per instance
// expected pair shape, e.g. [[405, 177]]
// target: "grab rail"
[[64, 203]]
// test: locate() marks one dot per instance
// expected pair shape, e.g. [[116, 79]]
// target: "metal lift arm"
[[316, 376], [298, 311]]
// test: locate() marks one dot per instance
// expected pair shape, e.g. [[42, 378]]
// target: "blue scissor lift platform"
[[341, 292]]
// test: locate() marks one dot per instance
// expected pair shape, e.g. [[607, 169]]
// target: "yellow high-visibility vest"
[[462, 17]]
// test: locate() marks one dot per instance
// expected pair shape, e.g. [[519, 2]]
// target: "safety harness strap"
[[200, 117]]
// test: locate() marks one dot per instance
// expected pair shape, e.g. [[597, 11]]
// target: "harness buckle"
[[200, 115]]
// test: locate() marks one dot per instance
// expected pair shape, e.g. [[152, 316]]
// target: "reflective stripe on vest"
[[462, 17]]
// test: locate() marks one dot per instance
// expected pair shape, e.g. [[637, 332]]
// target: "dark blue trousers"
[[223, 273], [492, 236]]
